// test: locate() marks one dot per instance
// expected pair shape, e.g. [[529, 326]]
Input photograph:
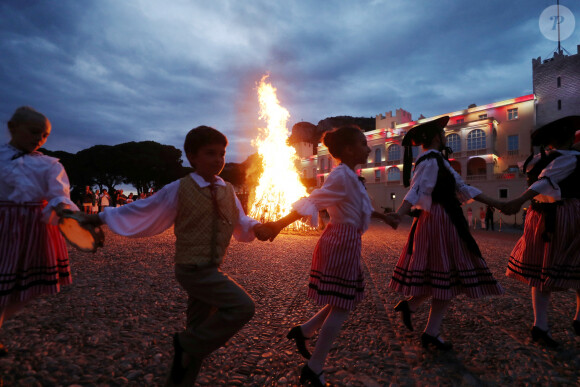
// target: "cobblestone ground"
[[113, 326]]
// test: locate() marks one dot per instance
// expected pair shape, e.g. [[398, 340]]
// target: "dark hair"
[[338, 139], [202, 136]]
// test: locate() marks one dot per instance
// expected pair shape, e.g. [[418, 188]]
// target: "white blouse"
[[559, 169], [155, 214], [425, 178], [34, 177], [343, 196]]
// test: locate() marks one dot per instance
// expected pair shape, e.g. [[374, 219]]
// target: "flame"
[[279, 186]]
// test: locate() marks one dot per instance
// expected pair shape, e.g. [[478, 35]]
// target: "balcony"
[[476, 152], [475, 177], [509, 176]]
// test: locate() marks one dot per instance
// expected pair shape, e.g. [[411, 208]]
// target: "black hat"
[[558, 130], [420, 133]]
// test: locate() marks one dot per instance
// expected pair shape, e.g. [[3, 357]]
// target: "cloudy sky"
[[110, 71]]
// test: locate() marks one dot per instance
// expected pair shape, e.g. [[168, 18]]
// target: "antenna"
[[558, 21]]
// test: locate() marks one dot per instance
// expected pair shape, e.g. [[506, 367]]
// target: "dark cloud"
[[107, 72]]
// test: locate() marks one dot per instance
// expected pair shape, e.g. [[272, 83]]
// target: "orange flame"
[[279, 186]]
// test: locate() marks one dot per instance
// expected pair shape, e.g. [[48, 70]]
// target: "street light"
[[393, 199]]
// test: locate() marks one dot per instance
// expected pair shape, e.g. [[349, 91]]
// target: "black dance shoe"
[[403, 307], [576, 326], [427, 339], [296, 335], [307, 375], [543, 337], [177, 369]]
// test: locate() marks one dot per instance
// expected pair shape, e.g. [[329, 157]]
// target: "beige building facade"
[[489, 144]]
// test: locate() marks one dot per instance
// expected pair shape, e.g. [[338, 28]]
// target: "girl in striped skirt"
[[34, 191], [441, 259], [547, 256], [336, 275]]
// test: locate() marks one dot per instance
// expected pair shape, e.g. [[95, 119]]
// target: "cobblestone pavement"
[[113, 326]]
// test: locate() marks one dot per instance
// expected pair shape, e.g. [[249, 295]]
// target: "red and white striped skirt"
[[336, 275], [551, 265], [33, 254], [440, 264]]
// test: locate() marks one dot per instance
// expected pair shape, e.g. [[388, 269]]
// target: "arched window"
[[454, 142], [476, 167], [378, 155], [393, 174], [476, 140], [394, 153]]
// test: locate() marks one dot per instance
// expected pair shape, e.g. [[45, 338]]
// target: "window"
[[512, 114], [476, 140], [393, 174], [483, 116], [322, 163], [513, 144], [394, 153], [377, 156], [454, 142], [377, 175], [460, 121], [559, 104], [503, 193], [559, 81]]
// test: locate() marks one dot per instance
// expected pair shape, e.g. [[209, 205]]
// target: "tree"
[[148, 164]]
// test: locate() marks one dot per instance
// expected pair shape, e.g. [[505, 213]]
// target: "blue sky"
[[109, 71]]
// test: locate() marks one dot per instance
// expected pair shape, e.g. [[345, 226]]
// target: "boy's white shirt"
[[155, 214]]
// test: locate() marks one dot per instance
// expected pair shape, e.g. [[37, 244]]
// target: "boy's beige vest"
[[202, 234]]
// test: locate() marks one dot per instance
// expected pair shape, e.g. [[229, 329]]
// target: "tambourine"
[[83, 237]]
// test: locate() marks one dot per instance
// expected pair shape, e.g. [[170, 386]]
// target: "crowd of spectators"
[[95, 201]]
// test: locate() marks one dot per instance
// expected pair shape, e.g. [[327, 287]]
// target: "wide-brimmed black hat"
[[419, 134], [561, 129]]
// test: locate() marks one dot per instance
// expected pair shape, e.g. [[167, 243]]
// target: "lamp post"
[[393, 199]]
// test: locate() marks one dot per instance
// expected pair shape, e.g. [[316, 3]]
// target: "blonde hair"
[[26, 113]]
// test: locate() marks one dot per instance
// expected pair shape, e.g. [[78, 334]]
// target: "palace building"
[[490, 142]]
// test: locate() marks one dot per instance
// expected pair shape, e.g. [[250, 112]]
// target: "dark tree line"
[[144, 165]]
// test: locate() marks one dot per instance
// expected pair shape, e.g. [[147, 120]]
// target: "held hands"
[[267, 231], [393, 219], [511, 207]]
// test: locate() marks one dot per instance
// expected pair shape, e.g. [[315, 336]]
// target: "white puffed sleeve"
[[330, 194], [422, 184], [58, 191], [553, 174]]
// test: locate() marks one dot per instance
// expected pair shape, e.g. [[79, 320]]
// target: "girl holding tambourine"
[[34, 192]]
